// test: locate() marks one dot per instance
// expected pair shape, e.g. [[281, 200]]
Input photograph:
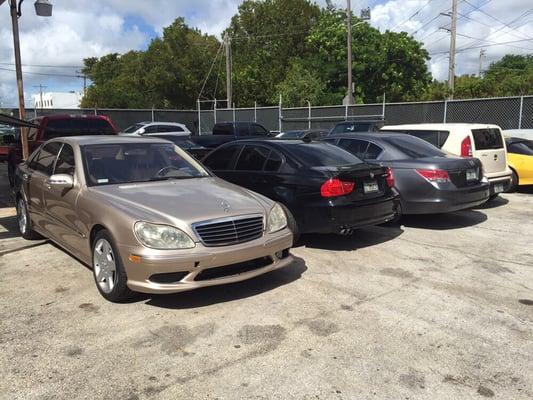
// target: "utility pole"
[[482, 53], [41, 87], [349, 95], [229, 88], [453, 35], [82, 75], [18, 69]]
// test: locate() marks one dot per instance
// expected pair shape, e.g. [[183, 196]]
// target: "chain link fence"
[[508, 113]]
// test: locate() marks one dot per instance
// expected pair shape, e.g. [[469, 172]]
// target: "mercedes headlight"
[[162, 237], [277, 220]]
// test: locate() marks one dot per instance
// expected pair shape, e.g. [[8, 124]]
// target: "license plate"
[[370, 187], [498, 188], [471, 174]]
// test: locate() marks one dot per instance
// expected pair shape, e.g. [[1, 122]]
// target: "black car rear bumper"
[[334, 216], [437, 201]]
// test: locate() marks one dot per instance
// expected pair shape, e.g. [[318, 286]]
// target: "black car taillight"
[[335, 187]]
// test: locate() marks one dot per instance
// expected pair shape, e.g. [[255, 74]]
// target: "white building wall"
[[57, 100]]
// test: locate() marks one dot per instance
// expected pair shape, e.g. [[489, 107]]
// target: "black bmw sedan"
[[428, 180], [326, 189]]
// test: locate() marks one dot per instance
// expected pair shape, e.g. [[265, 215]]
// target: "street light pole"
[[18, 68]]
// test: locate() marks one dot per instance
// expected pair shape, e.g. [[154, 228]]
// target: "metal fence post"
[[279, 114], [95, 109], [520, 112], [445, 111], [153, 119], [309, 115], [255, 111], [215, 111], [199, 117], [346, 112], [383, 109], [233, 112]]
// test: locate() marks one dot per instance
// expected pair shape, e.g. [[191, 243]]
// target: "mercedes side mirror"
[[60, 181]]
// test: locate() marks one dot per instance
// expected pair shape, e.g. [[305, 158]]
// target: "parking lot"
[[439, 307]]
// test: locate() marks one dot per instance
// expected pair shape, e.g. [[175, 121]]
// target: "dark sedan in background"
[[429, 181], [326, 189]]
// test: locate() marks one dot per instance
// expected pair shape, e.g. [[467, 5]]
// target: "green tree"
[[300, 86], [391, 63], [169, 74], [266, 35]]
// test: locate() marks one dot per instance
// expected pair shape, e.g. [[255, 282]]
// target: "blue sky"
[[91, 28]]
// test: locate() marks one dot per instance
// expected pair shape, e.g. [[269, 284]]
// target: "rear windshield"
[[322, 154], [435, 137], [412, 147], [524, 147], [353, 127], [77, 127], [223, 129], [487, 139], [291, 134]]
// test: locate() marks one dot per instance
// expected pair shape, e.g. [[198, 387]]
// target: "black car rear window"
[[77, 127], [322, 154], [413, 147], [435, 137], [487, 139]]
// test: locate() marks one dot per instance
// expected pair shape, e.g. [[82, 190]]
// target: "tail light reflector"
[[466, 147], [434, 175], [336, 187], [389, 177]]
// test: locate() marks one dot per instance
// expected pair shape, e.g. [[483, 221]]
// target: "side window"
[[65, 161], [32, 133], [222, 159], [252, 158], [354, 146], [44, 160], [243, 129], [274, 162], [151, 129], [258, 130], [169, 128], [373, 151], [436, 138], [223, 129]]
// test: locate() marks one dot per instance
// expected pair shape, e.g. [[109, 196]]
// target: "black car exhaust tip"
[[346, 231]]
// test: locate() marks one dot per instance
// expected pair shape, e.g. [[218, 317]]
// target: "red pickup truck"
[[53, 126]]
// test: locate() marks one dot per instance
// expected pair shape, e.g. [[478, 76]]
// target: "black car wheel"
[[513, 186], [24, 221]]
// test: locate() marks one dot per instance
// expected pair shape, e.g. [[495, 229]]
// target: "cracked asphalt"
[[440, 307]]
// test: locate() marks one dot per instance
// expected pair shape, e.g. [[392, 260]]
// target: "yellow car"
[[520, 159]]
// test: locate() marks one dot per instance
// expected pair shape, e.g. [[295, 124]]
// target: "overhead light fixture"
[[43, 8]]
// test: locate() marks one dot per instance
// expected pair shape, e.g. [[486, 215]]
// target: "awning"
[[12, 121]]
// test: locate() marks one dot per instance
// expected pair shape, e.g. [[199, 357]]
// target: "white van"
[[482, 141]]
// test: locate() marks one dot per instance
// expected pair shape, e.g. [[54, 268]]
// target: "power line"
[[413, 15], [43, 73], [491, 41], [43, 66], [486, 45]]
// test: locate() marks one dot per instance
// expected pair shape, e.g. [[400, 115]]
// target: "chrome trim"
[[222, 220]]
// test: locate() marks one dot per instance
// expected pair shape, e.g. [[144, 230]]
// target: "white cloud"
[[86, 28]]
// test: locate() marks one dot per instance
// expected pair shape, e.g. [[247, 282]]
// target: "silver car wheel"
[[104, 265], [22, 216]]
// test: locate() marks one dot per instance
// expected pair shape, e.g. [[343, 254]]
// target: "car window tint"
[[77, 127], [342, 128], [355, 146], [412, 147], [487, 139], [258, 130], [274, 162], [133, 128], [435, 137], [222, 159], [151, 129], [319, 154], [373, 151], [170, 128], [243, 129], [65, 161], [44, 161], [252, 158], [223, 129], [523, 147]]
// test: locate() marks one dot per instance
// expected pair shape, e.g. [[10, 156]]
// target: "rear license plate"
[[498, 188], [471, 174], [370, 187]]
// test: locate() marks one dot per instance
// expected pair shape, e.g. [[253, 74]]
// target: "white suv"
[[160, 128], [482, 141]]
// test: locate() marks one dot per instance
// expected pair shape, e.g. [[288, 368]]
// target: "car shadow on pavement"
[[9, 227], [361, 238], [497, 202], [229, 292], [454, 220], [525, 189]]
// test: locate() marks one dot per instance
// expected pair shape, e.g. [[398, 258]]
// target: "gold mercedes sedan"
[[146, 216]]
